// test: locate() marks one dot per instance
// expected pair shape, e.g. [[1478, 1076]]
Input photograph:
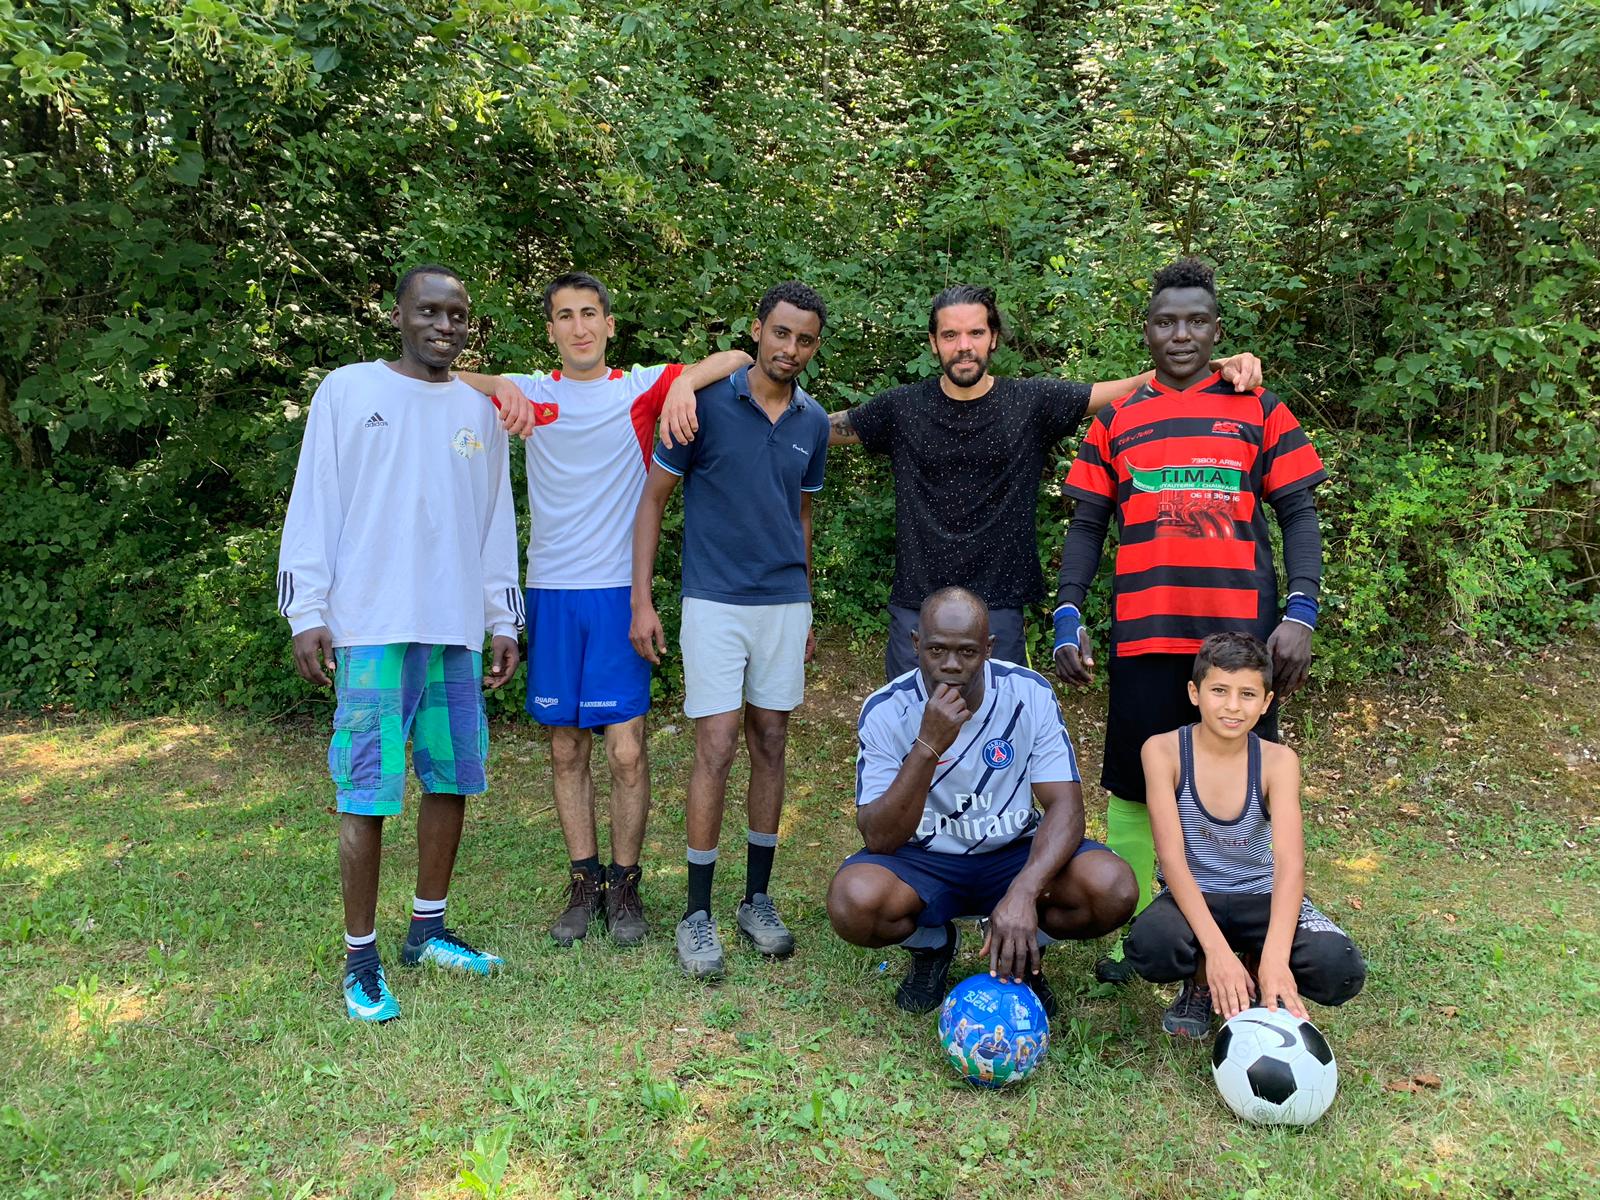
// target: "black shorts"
[[1326, 965], [1150, 695]]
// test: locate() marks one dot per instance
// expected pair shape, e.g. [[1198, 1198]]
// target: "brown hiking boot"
[[584, 904], [624, 910]]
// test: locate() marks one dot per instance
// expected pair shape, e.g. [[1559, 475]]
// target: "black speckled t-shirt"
[[966, 482]]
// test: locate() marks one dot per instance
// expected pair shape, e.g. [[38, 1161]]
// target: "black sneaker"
[[624, 910], [585, 903], [1114, 970], [1042, 989], [928, 976]]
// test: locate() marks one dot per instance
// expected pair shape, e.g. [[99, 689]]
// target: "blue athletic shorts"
[[957, 885], [582, 669], [432, 695]]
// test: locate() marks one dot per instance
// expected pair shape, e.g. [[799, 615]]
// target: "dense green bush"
[[205, 204]]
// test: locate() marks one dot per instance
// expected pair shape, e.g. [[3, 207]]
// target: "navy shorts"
[[957, 885], [582, 669]]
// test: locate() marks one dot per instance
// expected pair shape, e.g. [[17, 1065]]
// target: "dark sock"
[[616, 871], [427, 920], [589, 866], [700, 886], [759, 851], [359, 956]]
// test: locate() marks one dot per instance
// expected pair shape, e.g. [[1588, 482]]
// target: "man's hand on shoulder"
[[680, 414], [503, 659], [842, 430], [516, 412], [313, 656], [1242, 370]]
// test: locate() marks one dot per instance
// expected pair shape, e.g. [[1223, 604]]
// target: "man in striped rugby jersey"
[[1184, 463]]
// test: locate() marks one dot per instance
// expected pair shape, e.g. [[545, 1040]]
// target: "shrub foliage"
[[206, 203]]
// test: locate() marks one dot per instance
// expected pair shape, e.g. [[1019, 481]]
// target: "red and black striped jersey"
[[1188, 473]]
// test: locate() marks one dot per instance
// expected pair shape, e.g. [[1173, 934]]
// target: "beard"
[[965, 370]]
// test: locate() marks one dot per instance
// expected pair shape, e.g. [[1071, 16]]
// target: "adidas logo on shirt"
[[376, 421]]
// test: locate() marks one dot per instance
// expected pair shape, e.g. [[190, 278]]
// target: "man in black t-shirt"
[[968, 450]]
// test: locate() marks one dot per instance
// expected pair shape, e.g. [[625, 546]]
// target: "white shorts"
[[738, 654]]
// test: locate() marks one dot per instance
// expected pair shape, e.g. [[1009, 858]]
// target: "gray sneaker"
[[759, 921], [699, 948], [1190, 1014]]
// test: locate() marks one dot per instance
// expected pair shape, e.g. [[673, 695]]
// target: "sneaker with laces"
[[624, 910], [584, 904], [759, 921], [699, 947], [367, 996], [1111, 969], [1190, 1014], [928, 976], [450, 950]]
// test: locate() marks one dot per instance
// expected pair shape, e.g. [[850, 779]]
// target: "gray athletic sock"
[[927, 937]]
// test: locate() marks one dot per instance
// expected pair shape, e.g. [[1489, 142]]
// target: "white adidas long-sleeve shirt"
[[401, 526]]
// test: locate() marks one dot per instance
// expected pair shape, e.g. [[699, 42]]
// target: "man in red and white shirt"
[[587, 461]]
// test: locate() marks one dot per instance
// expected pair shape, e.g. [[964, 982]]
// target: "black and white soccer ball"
[[1274, 1068]]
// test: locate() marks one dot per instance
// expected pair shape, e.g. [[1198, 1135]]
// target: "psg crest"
[[997, 753]]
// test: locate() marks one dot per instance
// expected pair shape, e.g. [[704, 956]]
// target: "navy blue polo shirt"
[[742, 479]]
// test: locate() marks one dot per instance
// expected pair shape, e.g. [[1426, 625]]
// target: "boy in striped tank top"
[[1225, 812]]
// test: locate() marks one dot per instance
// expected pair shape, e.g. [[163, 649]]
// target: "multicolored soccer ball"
[[1273, 1068], [994, 1032]]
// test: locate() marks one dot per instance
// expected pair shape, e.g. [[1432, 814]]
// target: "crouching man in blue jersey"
[[953, 757]]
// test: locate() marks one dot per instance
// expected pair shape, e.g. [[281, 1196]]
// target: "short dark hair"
[[952, 592], [1185, 273], [1232, 652], [416, 273], [581, 280], [793, 292], [966, 293]]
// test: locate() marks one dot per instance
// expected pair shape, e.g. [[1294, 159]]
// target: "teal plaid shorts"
[[432, 695]]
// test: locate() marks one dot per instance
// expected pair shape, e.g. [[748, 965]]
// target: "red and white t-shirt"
[[586, 472], [1187, 473]]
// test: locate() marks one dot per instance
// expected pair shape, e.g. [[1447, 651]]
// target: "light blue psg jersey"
[[981, 798]]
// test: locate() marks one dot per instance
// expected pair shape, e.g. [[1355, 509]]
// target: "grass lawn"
[[171, 1021]]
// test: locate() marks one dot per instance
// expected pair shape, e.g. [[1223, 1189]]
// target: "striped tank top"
[[1225, 856]]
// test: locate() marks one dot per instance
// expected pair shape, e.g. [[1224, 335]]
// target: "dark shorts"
[[956, 885], [1004, 623], [1150, 695]]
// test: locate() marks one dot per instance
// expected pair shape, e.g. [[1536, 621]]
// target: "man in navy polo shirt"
[[953, 757], [746, 635]]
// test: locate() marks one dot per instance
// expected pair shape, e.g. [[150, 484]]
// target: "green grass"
[[171, 1023]]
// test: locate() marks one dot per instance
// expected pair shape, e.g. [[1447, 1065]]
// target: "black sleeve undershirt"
[[1302, 541], [1080, 552]]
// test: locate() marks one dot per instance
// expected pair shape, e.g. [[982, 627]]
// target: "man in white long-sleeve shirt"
[[399, 553]]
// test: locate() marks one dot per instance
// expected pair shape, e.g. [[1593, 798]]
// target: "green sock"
[[1128, 834]]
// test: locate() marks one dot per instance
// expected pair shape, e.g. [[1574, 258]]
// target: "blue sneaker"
[[367, 996], [449, 949]]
